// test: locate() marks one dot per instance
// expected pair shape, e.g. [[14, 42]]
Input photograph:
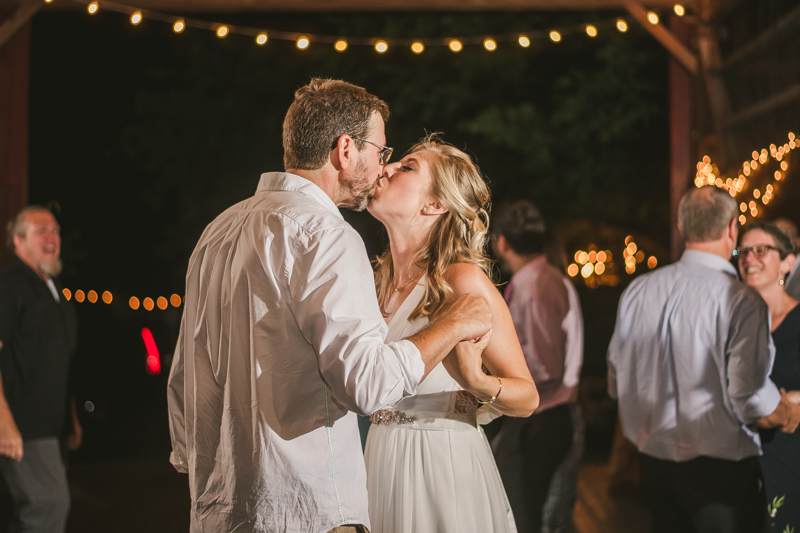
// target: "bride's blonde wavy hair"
[[459, 236]]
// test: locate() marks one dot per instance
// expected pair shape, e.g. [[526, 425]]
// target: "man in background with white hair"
[[689, 363], [38, 331]]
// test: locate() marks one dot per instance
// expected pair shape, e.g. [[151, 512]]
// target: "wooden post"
[[681, 95], [14, 83]]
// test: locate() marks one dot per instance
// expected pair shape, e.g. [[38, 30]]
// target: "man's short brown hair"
[[705, 213], [323, 111]]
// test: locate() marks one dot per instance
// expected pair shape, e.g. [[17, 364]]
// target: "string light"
[[175, 300], [48, 1], [67, 294], [107, 297], [92, 296], [134, 303], [148, 304], [456, 44], [79, 296], [707, 175], [652, 17], [161, 303], [679, 10], [381, 47]]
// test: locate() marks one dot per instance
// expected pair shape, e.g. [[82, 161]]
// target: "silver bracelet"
[[491, 401]]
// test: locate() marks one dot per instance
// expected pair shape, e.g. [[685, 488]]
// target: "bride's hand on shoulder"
[[465, 362]]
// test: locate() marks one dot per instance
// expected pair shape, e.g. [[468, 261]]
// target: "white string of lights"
[[381, 45], [708, 174]]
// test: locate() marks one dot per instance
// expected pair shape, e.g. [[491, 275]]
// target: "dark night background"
[[142, 137]]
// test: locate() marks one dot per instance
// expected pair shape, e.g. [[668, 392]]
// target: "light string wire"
[[554, 34]]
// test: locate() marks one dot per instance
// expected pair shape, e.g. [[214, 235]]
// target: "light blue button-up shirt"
[[690, 359]]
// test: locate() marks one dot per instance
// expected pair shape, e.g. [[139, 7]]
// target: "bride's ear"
[[434, 208]]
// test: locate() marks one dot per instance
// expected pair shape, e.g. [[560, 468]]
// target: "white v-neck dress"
[[429, 465]]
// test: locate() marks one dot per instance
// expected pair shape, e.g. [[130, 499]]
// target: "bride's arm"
[[502, 356]]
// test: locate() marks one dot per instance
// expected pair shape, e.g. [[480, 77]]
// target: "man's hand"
[[793, 396], [472, 315], [793, 413], [785, 417], [464, 363], [10, 438]]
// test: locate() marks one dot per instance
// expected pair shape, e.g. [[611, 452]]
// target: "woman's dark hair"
[[783, 242], [522, 225]]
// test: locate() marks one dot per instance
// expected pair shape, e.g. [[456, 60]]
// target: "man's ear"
[[502, 245], [344, 153], [18, 242]]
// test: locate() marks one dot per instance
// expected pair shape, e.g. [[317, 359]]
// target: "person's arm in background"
[[10, 437], [750, 354]]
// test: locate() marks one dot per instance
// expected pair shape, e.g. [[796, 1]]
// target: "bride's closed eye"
[[406, 168]]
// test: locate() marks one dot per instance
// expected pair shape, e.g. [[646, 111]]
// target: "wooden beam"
[[18, 19], [675, 47], [255, 6], [717, 92], [681, 97], [765, 106], [787, 24]]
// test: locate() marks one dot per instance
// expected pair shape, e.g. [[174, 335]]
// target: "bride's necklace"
[[406, 284]]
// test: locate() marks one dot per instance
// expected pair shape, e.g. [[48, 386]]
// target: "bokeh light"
[[79, 296], [134, 303]]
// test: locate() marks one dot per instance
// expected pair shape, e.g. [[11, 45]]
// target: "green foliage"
[[579, 127]]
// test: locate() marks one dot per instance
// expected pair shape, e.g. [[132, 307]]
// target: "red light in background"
[[153, 362]]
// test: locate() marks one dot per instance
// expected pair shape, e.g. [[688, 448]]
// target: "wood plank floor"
[[598, 510]]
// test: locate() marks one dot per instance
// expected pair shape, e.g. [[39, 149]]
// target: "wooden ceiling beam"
[[21, 15], [256, 6]]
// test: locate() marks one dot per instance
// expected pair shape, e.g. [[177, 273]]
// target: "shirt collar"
[[708, 260], [284, 181]]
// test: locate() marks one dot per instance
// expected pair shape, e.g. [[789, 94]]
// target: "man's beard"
[[51, 268], [360, 188]]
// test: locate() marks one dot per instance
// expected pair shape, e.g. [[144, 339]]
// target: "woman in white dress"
[[429, 465]]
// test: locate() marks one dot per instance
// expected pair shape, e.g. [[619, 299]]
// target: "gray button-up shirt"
[[690, 359]]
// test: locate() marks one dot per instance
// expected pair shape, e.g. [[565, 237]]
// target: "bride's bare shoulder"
[[468, 278]]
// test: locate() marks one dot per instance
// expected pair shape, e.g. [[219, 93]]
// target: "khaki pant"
[[356, 528]]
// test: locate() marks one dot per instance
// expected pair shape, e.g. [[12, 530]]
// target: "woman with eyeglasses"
[[766, 256], [429, 465]]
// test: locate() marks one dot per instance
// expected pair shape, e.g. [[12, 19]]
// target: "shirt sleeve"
[[175, 401], [750, 354], [332, 292]]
